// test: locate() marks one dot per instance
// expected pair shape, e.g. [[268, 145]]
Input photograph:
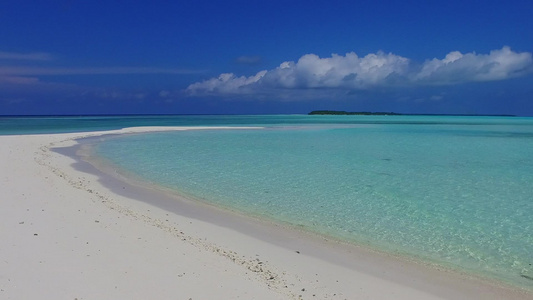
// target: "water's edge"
[[283, 235]]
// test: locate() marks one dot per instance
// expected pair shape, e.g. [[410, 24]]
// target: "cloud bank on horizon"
[[375, 70]]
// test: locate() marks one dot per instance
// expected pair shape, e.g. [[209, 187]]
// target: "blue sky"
[[254, 57]]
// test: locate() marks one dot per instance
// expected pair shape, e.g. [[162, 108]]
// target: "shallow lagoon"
[[449, 190]]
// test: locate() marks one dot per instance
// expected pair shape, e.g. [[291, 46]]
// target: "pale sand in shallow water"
[[70, 234]]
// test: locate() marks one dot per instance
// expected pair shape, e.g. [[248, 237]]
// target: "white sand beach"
[[69, 231]]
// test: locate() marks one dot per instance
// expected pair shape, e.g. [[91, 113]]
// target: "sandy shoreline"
[[69, 231]]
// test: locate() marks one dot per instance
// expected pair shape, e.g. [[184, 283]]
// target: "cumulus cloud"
[[349, 71], [352, 72], [457, 67], [225, 83]]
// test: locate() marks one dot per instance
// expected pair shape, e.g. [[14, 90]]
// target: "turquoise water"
[[57, 124], [457, 191]]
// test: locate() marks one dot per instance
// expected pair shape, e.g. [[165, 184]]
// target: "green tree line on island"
[[340, 112]]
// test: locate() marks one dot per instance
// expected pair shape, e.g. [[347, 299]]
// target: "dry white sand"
[[68, 231]]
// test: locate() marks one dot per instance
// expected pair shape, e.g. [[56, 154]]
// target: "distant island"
[[340, 112], [366, 113]]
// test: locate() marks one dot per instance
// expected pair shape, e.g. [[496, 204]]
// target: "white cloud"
[[225, 83], [351, 72], [457, 67], [36, 56], [18, 80]]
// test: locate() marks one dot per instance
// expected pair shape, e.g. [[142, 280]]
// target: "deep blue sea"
[[455, 191]]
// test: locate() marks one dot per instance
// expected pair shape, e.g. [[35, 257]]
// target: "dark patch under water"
[[526, 276]]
